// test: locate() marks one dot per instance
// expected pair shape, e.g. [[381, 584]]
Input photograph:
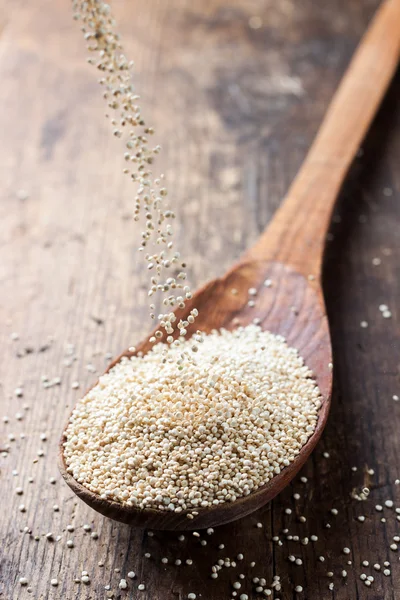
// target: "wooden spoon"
[[285, 266]]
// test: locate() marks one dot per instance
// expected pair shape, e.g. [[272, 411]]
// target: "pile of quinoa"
[[154, 434]]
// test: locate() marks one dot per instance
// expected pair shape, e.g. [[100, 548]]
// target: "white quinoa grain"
[[236, 585]]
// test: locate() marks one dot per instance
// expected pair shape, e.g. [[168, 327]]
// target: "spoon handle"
[[297, 233]]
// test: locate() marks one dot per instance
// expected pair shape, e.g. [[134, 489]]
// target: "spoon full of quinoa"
[[216, 411]]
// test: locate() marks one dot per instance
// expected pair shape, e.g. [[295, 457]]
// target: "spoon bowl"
[[285, 268], [286, 304]]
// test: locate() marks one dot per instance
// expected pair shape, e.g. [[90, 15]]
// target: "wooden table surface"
[[235, 106]]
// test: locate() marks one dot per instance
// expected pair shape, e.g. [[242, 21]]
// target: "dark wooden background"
[[235, 109]]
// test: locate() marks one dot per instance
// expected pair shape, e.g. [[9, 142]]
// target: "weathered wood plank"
[[235, 109]]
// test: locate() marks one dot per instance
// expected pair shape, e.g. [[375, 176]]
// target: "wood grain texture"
[[68, 262], [297, 232]]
